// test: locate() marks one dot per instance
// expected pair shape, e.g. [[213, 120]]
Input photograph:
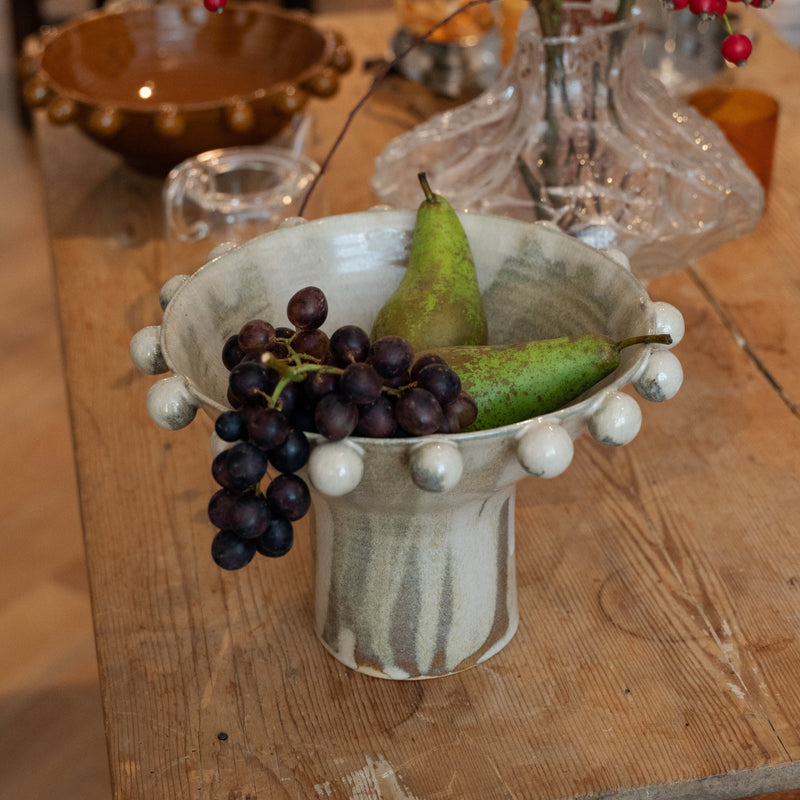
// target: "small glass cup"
[[233, 194], [749, 121]]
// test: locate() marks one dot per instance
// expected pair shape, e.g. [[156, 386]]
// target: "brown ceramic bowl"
[[161, 83]]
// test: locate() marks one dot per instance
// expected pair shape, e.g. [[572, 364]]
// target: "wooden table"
[[658, 653]]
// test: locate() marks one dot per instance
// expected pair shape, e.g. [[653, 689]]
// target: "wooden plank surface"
[[760, 305], [658, 583]]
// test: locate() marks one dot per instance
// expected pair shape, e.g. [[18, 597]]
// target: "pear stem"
[[652, 338], [426, 187]]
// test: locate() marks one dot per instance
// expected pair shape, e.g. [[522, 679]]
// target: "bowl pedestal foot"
[[414, 595]]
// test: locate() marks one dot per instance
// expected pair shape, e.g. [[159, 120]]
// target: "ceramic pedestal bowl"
[[413, 539], [161, 83]]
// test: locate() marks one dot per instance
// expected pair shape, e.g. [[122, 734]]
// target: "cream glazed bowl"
[[413, 539]]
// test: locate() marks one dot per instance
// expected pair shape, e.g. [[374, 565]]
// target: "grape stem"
[[292, 373], [296, 373]]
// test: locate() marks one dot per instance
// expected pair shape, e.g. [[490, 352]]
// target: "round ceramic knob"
[[545, 450], [240, 117], [28, 65], [618, 256], [169, 403], [145, 349], [170, 123], [290, 100], [336, 468], [169, 288], [342, 58], [324, 83], [661, 377], [105, 122], [436, 466], [617, 419], [35, 92], [669, 320], [62, 110]]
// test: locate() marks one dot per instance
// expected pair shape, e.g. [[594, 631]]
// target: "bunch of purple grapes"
[[285, 382]]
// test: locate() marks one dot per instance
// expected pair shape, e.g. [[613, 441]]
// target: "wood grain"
[[657, 652], [758, 305]]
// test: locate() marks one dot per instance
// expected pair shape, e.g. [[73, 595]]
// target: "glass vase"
[[577, 132]]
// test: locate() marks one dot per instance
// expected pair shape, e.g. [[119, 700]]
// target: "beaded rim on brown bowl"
[[160, 83]]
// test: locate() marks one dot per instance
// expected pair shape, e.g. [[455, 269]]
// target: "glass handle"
[[176, 224]]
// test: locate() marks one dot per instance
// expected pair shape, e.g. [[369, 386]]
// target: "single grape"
[[288, 496], [348, 344], [318, 384], [441, 381], [335, 416], [293, 454], [419, 412], [267, 427], [249, 378], [361, 383], [249, 516], [459, 414], [239, 467], [219, 507], [277, 540], [215, 5], [230, 427], [308, 308], [256, 336], [376, 420], [284, 333], [232, 354], [230, 551], [391, 356], [422, 361], [313, 343], [291, 397], [219, 471]]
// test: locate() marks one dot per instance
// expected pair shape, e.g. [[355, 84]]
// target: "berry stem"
[[727, 23]]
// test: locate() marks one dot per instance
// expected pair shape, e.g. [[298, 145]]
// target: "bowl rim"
[[579, 409], [302, 18]]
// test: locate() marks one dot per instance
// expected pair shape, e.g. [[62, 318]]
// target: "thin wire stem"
[[376, 81]]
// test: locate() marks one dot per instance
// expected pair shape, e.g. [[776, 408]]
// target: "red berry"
[[736, 48], [705, 9], [722, 7], [674, 5], [215, 5]]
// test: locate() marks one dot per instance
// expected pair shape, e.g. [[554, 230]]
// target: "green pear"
[[514, 382], [437, 303]]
